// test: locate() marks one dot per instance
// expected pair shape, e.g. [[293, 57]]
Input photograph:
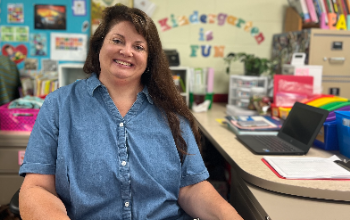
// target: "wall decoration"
[[68, 46], [97, 7], [79, 8], [50, 17], [49, 65], [15, 13], [145, 5], [220, 19], [30, 64], [16, 53], [14, 33], [38, 44], [85, 26]]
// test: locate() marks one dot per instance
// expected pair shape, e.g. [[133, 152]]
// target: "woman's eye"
[[116, 41], [139, 47]]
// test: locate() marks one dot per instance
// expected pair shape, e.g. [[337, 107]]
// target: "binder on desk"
[[309, 168]]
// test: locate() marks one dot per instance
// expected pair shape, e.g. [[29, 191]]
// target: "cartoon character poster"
[[16, 53], [15, 13], [38, 44], [50, 17]]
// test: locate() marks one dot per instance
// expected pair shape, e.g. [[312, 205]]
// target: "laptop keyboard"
[[275, 144]]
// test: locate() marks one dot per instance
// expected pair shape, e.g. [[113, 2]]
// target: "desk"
[[257, 192]]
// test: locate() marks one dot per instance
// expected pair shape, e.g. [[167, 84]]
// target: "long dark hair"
[[157, 76]]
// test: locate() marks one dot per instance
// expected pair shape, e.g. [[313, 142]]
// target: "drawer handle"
[[336, 59], [22, 114]]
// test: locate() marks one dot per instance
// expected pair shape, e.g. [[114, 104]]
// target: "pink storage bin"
[[17, 119]]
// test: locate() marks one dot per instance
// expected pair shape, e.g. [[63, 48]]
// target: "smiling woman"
[[121, 144]]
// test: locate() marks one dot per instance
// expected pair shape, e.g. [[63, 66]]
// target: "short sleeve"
[[41, 151], [193, 169]]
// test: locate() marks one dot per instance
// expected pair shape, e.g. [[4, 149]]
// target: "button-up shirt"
[[107, 166]]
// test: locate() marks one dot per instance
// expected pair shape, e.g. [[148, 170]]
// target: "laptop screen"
[[302, 125]]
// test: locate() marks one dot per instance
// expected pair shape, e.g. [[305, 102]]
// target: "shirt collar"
[[93, 82]]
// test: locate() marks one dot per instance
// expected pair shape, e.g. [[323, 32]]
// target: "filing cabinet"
[[12, 148], [329, 48]]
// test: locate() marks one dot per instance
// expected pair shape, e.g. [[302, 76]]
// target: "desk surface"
[[254, 171]]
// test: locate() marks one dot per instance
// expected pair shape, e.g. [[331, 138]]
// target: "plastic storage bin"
[[327, 139], [343, 126], [17, 119]]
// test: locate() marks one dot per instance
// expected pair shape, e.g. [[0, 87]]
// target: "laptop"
[[295, 137]]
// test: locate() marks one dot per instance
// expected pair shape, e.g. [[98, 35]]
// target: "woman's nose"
[[126, 51]]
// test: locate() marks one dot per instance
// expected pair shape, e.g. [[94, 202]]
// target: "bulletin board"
[[36, 33]]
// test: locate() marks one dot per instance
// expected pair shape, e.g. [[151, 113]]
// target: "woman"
[[121, 144]]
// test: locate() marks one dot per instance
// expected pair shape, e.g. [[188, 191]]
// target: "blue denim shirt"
[[107, 166]]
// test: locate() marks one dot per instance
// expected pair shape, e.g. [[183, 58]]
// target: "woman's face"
[[123, 55]]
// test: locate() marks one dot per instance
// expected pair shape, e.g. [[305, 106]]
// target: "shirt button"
[[123, 163], [126, 204], [121, 124]]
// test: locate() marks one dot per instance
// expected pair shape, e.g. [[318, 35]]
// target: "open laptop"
[[296, 135]]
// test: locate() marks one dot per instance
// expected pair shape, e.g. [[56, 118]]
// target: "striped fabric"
[[9, 80]]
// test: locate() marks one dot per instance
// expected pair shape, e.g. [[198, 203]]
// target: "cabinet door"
[[331, 49]]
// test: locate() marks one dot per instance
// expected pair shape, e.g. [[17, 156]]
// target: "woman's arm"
[[202, 201], [38, 199]]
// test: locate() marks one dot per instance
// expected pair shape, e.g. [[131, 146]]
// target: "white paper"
[[71, 47], [308, 167]]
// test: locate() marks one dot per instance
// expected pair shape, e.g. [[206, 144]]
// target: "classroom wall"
[[183, 33], [77, 21]]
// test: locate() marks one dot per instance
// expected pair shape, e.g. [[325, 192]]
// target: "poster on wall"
[[97, 6], [14, 33], [15, 13], [17, 53], [38, 45], [79, 8], [70, 47], [50, 17]]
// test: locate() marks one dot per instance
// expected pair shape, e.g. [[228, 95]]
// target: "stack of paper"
[[307, 167]]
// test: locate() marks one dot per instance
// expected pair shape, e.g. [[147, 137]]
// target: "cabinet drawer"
[[9, 184], [9, 160], [332, 51]]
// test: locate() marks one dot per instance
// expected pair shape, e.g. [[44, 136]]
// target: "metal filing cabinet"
[[12, 147], [329, 48]]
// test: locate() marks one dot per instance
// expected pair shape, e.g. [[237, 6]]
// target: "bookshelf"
[[69, 72], [293, 21], [183, 73]]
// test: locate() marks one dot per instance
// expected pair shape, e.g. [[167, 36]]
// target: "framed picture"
[[50, 17], [97, 6]]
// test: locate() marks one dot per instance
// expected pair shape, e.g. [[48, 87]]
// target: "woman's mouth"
[[123, 63]]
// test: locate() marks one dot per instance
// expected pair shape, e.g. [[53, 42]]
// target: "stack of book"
[[311, 10], [254, 125]]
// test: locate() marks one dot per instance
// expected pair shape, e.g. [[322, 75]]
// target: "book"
[[324, 9], [312, 10], [318, 9], [301, 8], [330, 6], [316, 168], [344, 8], [232, 125], [347, 2]]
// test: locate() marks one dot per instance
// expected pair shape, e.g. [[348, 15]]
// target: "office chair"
[[14, 204]]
